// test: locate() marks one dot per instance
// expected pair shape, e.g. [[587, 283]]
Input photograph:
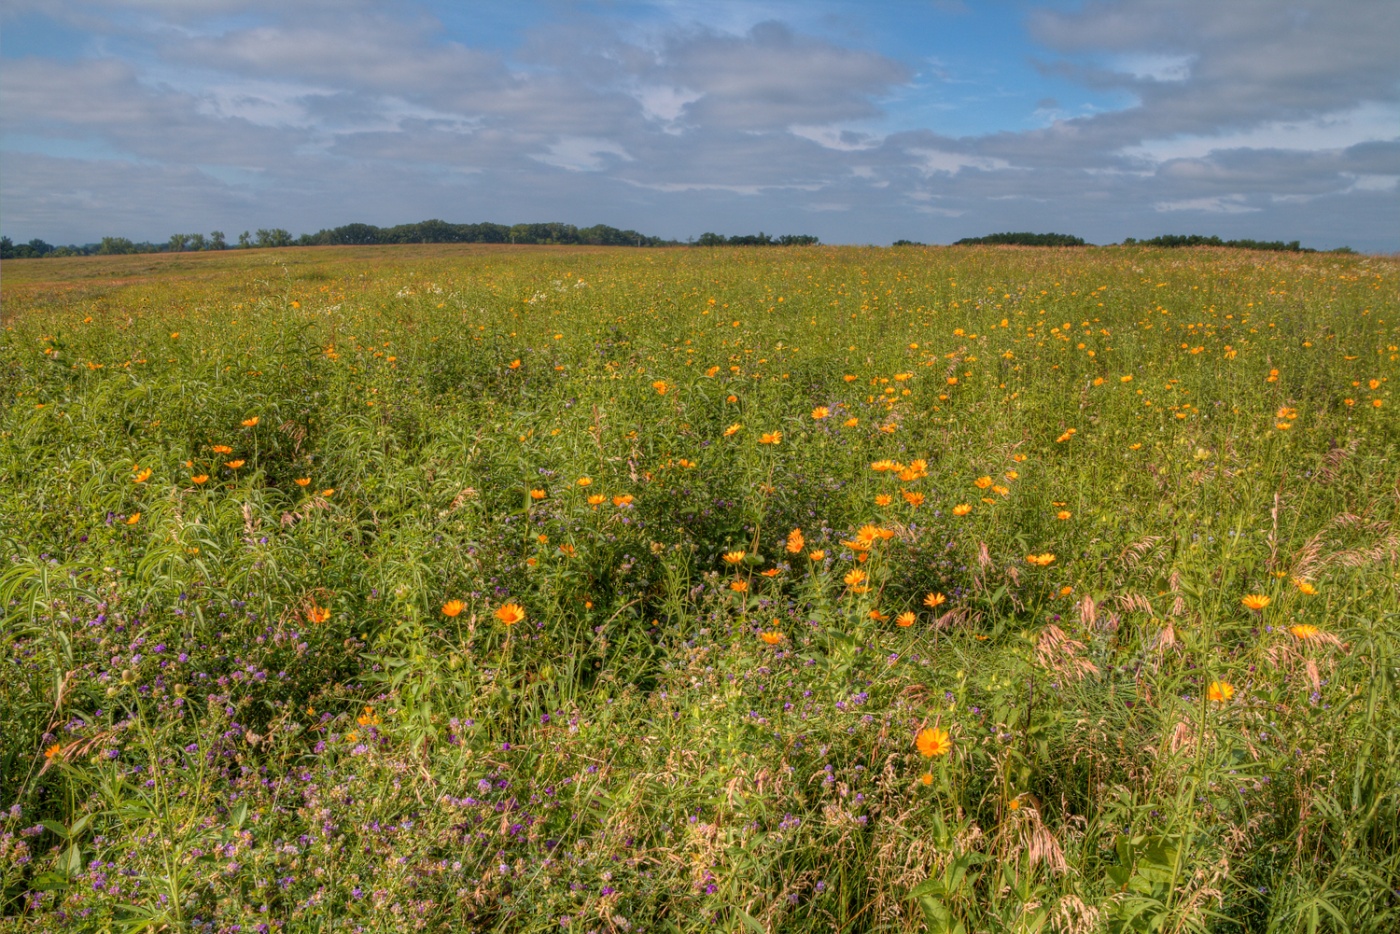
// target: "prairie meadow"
[[806, 589]]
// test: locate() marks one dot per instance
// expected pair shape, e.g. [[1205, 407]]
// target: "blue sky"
[[866, 122]]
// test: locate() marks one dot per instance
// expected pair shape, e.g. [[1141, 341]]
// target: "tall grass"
[[266, 515]]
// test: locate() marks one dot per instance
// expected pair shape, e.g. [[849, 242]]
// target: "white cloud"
[[583, 153], [1222, 204]]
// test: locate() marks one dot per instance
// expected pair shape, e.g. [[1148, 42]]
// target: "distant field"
[[831, 589]]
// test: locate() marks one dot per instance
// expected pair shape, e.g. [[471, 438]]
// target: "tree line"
[[357, 234]]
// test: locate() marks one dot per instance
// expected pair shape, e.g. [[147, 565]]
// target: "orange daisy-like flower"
[[234, 465], [143, 475], [584, 481], [567, 550], [913, 499], [739, 586], [732, 430], [1220, 691], [221, 449], [734, 557], [597, 499], [795, 542], [1255, 601], [453, 608], [771, 437], [303, 481], [772, 637], [816, 555], [661, 387], [934, 600], [1040, 561], [855, 579], [1304, 587], [851, 422], [54, 752], [250, 422], [515, 364], [1304, 632], [883, 499], [905, 619], [878, 616], [772, 572], [820, 412], [199, 478], [1062, 514], [933, 742], [329, 492], [624, 500], [317, 614], [926, 778], [537, 494], [982, 482], [961, 509], [134, 518], [510, 614]]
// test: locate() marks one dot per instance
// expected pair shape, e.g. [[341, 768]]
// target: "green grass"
[[239, 702]]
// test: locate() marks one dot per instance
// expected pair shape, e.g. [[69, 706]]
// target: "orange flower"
[[585, 481], [905, 619], [661, 387], [855, 579], [851, 422], [303, 481], [732, 430], [982, 482], [317, 614], [926, 778], [597, 499], [795, 542], [961, 509], [143, 475], [739, 586], [515, 364], [816, 555], [733, 557], [1304, 631], [913, 499], [933, 742], [250, 422], [54, 752], [134, 518], [771, 437], [567, 550], [328, 492], [1304, 587], [883, 499], [537, 494], [934, 600], [1040, 561], [772, 572], [367, 718], [221, 449], [773, 637], [1255, 601], [199, 478], [624, 500], [1220, 691], [453, 608], [1062, 514], [510, 614], [878, 616]]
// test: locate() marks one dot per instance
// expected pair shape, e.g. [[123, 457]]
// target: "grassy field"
[[829, 589]]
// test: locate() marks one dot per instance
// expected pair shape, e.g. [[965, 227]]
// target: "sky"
[[858, 122]]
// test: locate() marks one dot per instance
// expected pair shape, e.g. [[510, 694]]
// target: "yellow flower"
[[773, 637], [453, 608], [933, 742], [510, 614], [733, 557], [1304, 587], [820, 412], [1304, 631], [1255, 601], [905, 619], [537, 494], [1220, 691], [961, 509], [934, 600], [142, 476], [317, 614], [250, 422], [855, 579], [795, 542], [851, 422], [771, 437], [585, 481], [732, 430]]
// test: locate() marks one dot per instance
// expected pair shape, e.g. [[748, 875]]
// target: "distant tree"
[[1023, 239], [275, 237], [115, 246], [197, 242], [798, 240], [1181, 240], [907, 243], [710, 239], [178, 243], [216, 240], [245, 240]]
